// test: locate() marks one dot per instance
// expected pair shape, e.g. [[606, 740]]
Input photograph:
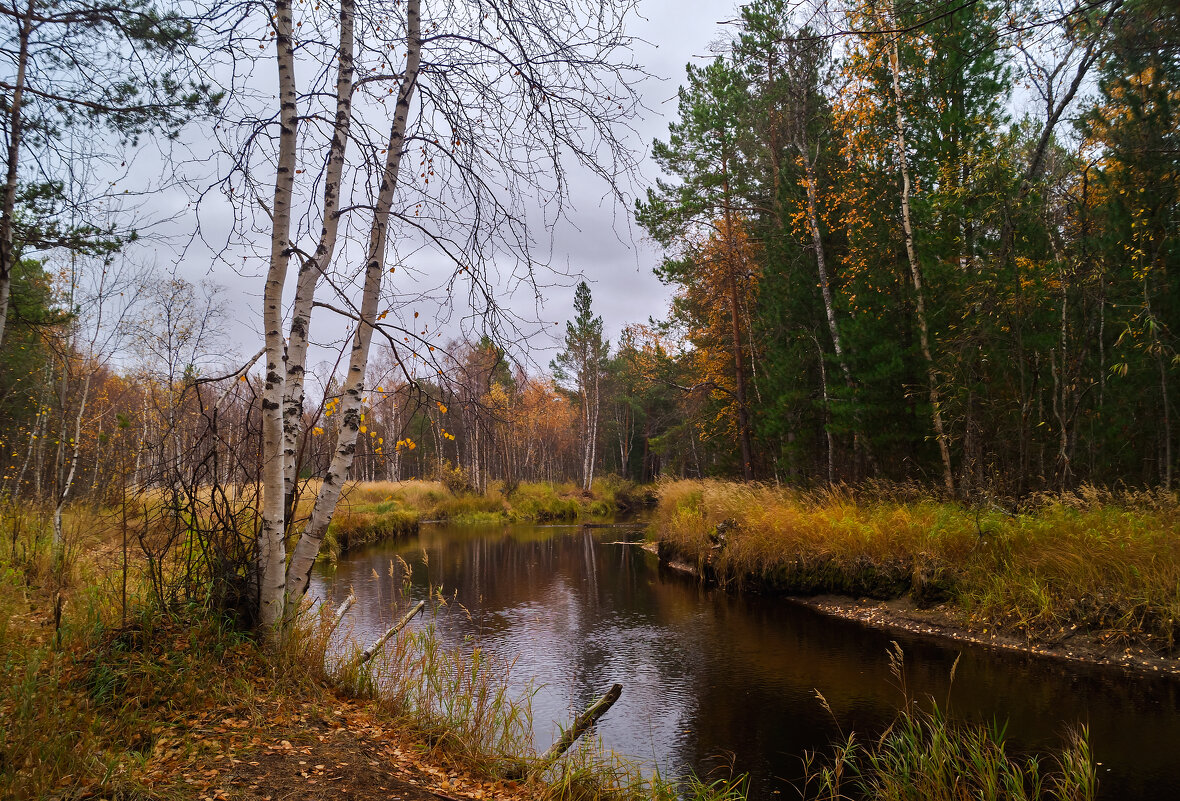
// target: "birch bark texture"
[[935, 393], [489, 105]]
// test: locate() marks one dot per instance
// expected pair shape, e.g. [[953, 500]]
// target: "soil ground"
[[196, 741], [1091, 648], [341, 751]]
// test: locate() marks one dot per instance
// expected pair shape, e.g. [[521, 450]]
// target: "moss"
[[932, 586], [860, 578]]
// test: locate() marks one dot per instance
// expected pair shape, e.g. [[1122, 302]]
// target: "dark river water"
[[711, 678]]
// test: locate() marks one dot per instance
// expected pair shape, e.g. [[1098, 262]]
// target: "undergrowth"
[[373, 511], [104, 700]]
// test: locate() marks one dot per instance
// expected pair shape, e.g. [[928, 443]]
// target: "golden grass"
[[1090, 560], [372, 511], [86, 714], [417, 494], [925, 754]]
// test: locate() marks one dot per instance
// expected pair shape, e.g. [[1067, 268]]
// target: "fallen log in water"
[[584, 721], [375, 648], [569, 736], [342, 611]]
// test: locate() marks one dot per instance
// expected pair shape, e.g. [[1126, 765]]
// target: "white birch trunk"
[[592, 444], [272, 557], [311, 269], [76, 450], [821, 264], [916, 274], [309, 542]]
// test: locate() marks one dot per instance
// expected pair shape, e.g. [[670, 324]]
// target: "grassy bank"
[[1090, 561], [373, 511], [98, 700]]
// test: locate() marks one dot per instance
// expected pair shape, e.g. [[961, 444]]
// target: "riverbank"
[[98, 700], [106, 698], [370, 512], [941, 622], [1089, 577], [166, 708]]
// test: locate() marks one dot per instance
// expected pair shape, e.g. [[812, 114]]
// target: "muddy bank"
[[942, 621]]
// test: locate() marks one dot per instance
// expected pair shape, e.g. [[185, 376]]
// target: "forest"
[[946, 256]]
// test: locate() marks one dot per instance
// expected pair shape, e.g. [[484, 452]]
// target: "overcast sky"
[[598, 240], [612, 251]]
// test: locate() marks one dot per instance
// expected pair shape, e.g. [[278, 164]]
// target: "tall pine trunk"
[[739, 367], [8, 210]]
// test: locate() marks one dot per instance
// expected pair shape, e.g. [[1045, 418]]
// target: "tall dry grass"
[[461, 703], [84, 708], [926, 755], [1088, 560]]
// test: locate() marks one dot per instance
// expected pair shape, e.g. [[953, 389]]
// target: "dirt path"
[[336, 751], [221, 730]]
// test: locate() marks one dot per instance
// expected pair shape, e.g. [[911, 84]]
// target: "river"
[[712, 678]]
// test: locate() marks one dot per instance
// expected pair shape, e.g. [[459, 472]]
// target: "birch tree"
[[442, 117], [108, 294], [889, 49]]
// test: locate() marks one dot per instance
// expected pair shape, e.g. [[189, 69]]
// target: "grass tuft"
[[926, 755]]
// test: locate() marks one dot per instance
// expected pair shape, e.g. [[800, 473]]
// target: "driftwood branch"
[[373, 649], [341, 611], [583, 722]]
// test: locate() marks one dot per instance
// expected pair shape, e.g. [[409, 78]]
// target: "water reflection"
[[708, 677]]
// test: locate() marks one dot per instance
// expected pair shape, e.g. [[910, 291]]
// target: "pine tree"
[[705, 212], [583, 363]]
